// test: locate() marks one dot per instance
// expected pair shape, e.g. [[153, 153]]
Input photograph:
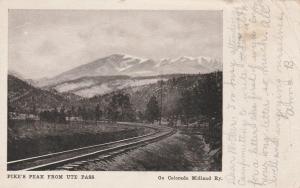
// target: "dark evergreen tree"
[[84, 114], [152, 112], [120, 108], [187, 106], [98, 113], [62, 115]]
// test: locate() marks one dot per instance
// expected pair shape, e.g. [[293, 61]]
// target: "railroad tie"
[[65, 168], [115, 153], [74, 165], [102, 158]]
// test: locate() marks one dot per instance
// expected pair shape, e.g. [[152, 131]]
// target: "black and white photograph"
[[114, 90]]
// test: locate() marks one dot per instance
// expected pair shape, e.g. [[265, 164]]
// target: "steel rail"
[[11, 165], [81, 148], [59, 163]]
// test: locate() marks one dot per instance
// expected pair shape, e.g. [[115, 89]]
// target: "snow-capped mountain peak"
[[124, 64], [127, 57], [185, 58]]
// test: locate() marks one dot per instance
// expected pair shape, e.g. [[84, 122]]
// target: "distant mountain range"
[[121, 64], [119, 71]]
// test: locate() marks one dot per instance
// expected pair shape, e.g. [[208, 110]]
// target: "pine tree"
[[120, 108], [152, 110], [98, 113]]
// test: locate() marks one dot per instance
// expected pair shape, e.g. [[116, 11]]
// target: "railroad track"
[[80, 156]]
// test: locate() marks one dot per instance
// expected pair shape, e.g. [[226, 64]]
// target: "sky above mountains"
[[44, 43]]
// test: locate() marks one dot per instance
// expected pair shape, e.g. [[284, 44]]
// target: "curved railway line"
[[72, 159]]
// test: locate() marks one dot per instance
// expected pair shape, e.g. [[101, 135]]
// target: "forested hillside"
[[185, 96], [24, 98], [179, 97]]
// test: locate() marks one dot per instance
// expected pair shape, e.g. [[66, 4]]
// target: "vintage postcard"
[[79, 100], [150, 93]]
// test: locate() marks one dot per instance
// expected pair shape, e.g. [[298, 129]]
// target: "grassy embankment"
[[33, 138], [180, 152]]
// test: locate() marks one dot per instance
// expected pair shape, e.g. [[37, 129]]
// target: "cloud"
[[49, 42], [47, 48]]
